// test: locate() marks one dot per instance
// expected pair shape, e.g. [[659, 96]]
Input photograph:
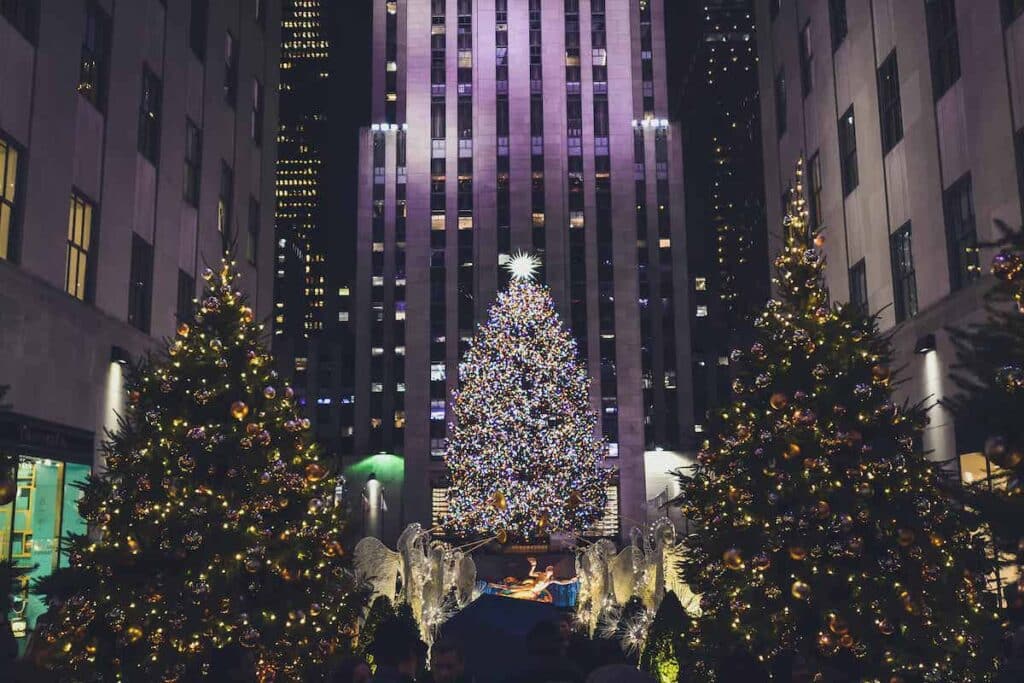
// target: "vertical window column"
[[666, 292], [438, 229], [644, 276], [605, 242], [465, 188], [647, 58], [577, 222], [504, 211], [538, 218], [391, 62], [398, 335], [376, 312]]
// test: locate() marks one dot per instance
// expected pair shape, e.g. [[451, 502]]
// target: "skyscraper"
[[135, 141], [720, 112], [506, 125], [909, 117]]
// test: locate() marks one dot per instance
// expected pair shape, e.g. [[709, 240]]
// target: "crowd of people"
[[554, 653]]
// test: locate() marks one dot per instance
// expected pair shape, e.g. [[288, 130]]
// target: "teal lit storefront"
[[52, 459]]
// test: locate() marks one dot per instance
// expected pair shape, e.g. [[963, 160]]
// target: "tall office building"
[[312, 340], [911, 117], [721, 116], [136, 138], [507, 125]]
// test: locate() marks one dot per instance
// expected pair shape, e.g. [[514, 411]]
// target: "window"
[[225, 200], [904, 280], [23, 15], [140, 284], [814, 183], [889, 103], [253, 233], [95, 64], [806, 61], [9, 169], [848, 152], [186, 294], [197, 22], [859, 286], [80, 224], [149, 116], [256, 115], [943, 44], [780, 103], [961, 233], [193, 162], [837, 22], [230, 69]]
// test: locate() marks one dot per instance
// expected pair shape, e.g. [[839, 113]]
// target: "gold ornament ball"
[[885, 627], [800, 590], [778, 401], [846, 640], [881, 373], [315, 471], [837, 624], [134, 634], [792, 451], [798, 553], [239, 410], [733, 559], [906, 537], [822, 509], [269, 392], [498, 501], [8, 490], [819, 240], [183, 330], [246, 314]]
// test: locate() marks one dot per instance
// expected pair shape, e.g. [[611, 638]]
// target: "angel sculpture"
[[627, 569], [595, 582]]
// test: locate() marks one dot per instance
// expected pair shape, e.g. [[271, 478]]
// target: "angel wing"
[[465, 580], [377, 565], [625, 569]]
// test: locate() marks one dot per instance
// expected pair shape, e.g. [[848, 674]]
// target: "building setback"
[[910, 115], [507, 125], [135, 139]]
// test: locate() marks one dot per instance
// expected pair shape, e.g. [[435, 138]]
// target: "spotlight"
[[925, 344]]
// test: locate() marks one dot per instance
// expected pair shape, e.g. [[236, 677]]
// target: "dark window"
[[230, 69], [889, 109], [837, 22], [186, 294], [10, 167], [197, 21], [149, 116], [806, 61], [225, 200], [904, 280], [848, 152], [261, 13], [961, 233], [780, 103], [1011, 10], [95, 64], [256, 115], [859, 286], [437, 122], [253, 233], [140, 284], [773, 7], [943, 44], [193, 162], [814, 184], [23, 15]]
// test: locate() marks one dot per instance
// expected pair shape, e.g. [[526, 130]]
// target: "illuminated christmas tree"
[[825, 543], [524, 455], [215, 521], [990, 377]]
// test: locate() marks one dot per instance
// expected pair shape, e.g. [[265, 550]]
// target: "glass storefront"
[[44, 511], [977, 470]]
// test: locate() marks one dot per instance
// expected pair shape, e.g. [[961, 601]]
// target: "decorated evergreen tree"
[[524, 455], [989, 375], [825, 543], [215, 521], [665, 645]]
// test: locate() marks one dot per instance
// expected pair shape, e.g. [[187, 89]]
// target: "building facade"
[[508, 125], [136, 140], [720, 111], [910, 116]]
